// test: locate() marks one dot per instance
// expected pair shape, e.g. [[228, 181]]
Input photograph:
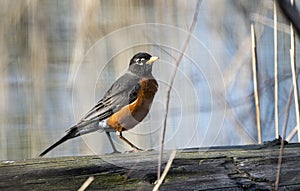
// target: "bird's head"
[[141, 64]]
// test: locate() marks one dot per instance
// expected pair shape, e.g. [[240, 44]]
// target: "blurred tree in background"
[[59, 57]]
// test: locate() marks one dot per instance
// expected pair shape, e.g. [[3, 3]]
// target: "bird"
[[125, 104]]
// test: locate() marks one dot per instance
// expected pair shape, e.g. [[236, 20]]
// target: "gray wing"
[[123, 92]]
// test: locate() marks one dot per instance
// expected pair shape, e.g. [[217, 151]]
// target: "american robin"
[[124, 105]]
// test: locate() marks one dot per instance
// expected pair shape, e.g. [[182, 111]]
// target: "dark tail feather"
[[75, 131], [70, 134]]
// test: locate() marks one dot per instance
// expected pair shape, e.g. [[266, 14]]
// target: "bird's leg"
[[127, 141], [111, 142]]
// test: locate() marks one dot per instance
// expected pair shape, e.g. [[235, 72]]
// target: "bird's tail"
[[70, 134], [74, 131]]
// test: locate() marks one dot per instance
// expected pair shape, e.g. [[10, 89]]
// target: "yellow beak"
[[152, 59]]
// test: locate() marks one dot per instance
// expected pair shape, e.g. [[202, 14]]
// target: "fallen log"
[[218, 168]]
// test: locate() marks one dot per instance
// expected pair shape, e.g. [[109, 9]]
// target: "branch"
[[191, 29]]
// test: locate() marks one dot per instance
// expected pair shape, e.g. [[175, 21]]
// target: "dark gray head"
[[141, 64]]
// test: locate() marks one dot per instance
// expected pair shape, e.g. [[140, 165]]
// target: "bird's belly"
[[129, 116]]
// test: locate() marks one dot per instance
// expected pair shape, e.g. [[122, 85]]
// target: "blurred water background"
[[58, 57]]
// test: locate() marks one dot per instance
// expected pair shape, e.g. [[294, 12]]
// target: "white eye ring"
[[139, 61]]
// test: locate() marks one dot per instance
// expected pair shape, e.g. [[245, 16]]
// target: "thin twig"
[[276, 74], [287, 109], [164, 174], [292, 134], [256, 95], [294, 76], [296, 98], [191, 29], [86, 183]]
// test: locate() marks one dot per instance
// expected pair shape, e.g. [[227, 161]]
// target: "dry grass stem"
[[295, 78], [191, 29], [276, 73], [86, 183], [283, 138], [255, 82], [164, 174], [292, 134]]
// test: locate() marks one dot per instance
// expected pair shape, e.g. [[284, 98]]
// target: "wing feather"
[[124, 91]]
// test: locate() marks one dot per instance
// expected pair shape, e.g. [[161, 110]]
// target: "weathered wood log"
[[218, 168]]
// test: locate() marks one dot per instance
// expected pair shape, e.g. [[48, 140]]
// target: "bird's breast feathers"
[[130, 115]]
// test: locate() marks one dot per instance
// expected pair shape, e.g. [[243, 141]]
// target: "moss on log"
[[219, 168]]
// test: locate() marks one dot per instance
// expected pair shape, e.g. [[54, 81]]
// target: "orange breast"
[[130, 115]]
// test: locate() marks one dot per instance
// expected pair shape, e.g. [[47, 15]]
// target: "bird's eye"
[[140, 61]]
